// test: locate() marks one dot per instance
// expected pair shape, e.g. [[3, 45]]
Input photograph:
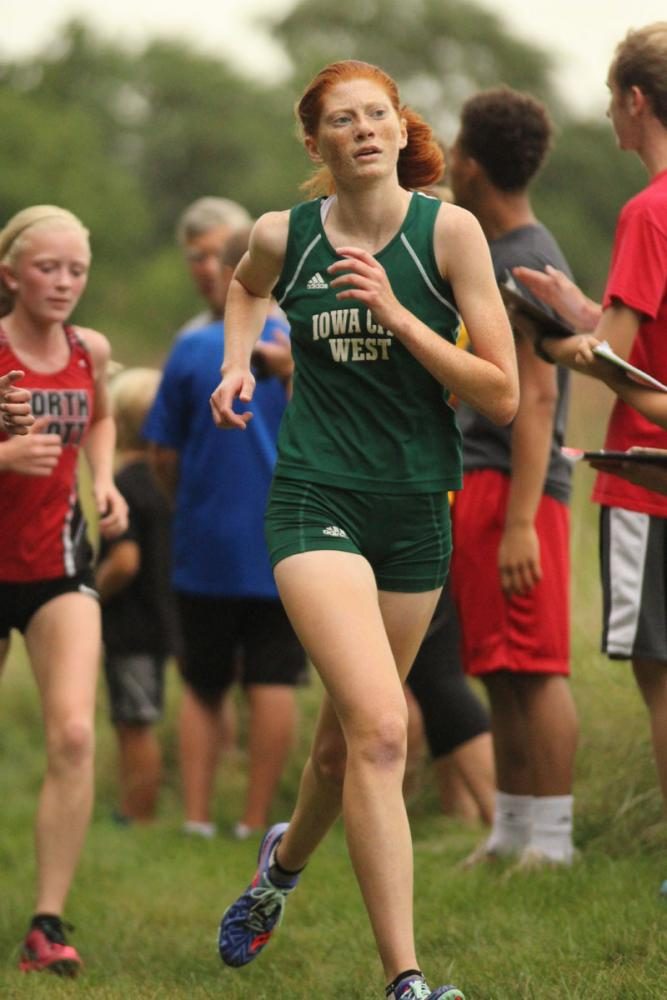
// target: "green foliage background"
[[127, 139]]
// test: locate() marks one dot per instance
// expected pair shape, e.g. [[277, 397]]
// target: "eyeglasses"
[[199, 256]]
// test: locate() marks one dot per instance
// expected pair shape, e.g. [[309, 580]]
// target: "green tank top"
[[365, 415]]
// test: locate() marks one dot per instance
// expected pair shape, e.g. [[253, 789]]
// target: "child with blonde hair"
[[46, 583], [137, 616]]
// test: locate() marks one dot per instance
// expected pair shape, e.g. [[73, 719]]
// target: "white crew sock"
[[512, 823], [552, 827]]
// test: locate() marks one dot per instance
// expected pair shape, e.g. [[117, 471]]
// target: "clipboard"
[[547, 324], [641, 458]]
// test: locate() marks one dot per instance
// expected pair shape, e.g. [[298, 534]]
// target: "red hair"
[[420, 163]]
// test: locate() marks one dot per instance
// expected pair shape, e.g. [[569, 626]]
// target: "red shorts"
[[528, 633]]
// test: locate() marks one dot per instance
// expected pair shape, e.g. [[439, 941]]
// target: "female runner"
[[372, 277], [46, 584]]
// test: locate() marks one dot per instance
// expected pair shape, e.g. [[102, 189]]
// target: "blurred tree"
[[128, 138], [50, 154], [127, 141], [580, 193], [209, 131], [439, 50], [184, 123], [80, 70], [54, 153]]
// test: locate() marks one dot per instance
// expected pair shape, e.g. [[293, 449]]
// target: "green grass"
[[147, 902]]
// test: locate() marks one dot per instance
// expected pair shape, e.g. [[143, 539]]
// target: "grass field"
[[146, 902]]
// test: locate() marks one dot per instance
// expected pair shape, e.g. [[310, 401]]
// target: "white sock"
[[512, 822], [552, 827], [196, 828]]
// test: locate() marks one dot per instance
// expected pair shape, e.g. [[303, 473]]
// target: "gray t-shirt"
[[485, 445]]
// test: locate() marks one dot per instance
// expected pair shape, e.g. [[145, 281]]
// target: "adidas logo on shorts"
[[317, 281], [334, 532]]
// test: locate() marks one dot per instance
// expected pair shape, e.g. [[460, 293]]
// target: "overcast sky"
[[581, 34]]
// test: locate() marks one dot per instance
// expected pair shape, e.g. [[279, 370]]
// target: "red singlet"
[[42, 530]]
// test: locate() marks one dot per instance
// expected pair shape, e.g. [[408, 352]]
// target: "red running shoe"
[[45, 948]]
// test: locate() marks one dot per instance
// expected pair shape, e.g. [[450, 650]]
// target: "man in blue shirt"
[[233, 623]]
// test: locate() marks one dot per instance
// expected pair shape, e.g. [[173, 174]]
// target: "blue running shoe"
[[418, 989], [247, 925]]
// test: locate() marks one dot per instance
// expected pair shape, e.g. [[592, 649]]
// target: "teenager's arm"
[[618, 324], [100, 443], [556, 290], [532, 433], [646, 474], [165, 464], [248, 301], [649, 402], [117, 569]]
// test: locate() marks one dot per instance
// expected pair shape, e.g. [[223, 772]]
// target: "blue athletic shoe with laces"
[[418, 989], [248, 924]]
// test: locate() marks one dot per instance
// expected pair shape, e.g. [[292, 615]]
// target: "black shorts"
[[237, 638], [452, 712], [135, 682], [19, 601]]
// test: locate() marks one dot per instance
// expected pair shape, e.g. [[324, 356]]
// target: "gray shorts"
[[633, 557], [136, 687]]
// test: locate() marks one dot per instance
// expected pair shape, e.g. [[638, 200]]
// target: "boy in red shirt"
[[633, 319]]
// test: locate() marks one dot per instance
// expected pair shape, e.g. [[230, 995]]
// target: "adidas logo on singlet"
[[334, 532], [317, 281]]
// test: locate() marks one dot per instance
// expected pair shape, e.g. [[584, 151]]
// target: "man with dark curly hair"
[[513, 512]]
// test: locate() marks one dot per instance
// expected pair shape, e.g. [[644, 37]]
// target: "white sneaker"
[[196, 828], [484, 854], [241, 831], [534, 860]]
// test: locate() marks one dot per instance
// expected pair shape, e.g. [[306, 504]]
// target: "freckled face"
[[50, 273], [360, 133]]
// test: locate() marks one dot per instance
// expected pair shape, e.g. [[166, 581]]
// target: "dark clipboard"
[[626, 456], [547, 325]]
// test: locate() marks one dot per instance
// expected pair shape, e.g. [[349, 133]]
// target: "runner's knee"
[[72, 744], [382, 741]]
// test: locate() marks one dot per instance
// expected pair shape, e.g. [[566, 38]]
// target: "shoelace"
[[269, 901], [417, 990]]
